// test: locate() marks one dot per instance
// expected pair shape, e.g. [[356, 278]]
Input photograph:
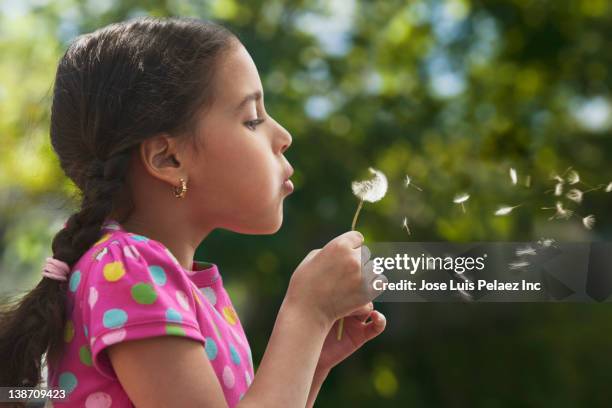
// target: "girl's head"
[[137, 106]]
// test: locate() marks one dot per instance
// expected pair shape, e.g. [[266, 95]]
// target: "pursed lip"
[[288, 174]]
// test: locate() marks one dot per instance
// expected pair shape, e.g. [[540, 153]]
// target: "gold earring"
[[183, 189]]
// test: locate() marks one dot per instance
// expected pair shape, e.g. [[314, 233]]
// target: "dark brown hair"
[[113, 88]]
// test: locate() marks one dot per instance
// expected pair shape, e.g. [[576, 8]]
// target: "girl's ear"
[[163, 158]]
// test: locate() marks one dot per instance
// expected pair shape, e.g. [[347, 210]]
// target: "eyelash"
[[253, 123]]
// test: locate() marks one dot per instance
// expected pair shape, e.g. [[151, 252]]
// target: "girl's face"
[[236, 179]]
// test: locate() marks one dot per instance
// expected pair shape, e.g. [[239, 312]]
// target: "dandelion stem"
[[356, 214]]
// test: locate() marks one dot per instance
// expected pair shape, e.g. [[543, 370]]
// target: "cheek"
[[241, 168]]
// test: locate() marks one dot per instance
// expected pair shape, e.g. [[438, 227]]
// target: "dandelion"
[[513, 176], [558, 189], [461, 199], [588, 221], [407, 182], [405, 225], [609, 187], [573, 177], [505, 210], [575, 195], [371, 191]]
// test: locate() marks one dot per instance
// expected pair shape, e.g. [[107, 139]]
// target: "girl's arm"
[[319, 376], [159, 371]]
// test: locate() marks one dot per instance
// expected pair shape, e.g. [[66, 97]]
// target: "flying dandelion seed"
[[557, 177], [558, 189], [408, 181], [525, 251], [546, 242], [405, 225], [609, 187], [518, 265], [575, 195], [573, 177], [589, 221], [561, 213], [371, 191], [461, 199], [505, 210], [528, 181], [513, 176]]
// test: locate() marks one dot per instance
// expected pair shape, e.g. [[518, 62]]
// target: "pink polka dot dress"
[[127, 287]]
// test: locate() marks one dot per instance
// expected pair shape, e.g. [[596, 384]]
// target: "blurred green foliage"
[[450, 92]]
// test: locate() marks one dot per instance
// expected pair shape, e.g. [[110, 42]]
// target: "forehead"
[[236, 77]]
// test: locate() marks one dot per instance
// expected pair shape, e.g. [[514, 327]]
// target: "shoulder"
[[121, 257]]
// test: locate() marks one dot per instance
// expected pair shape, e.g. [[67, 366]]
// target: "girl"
[[161, 124]]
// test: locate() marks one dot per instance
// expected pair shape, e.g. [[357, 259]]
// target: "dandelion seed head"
[[575, 195], [373, 189], [461, 198], [573, 177], [513, 176], [589, 221]]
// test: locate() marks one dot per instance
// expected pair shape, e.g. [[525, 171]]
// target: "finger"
[[365, 254], [375, 326], [363, 312], [354, 238]]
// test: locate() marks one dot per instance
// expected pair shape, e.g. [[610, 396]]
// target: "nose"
[[284, 138]]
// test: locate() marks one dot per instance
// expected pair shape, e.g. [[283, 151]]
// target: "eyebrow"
[[255, 96]]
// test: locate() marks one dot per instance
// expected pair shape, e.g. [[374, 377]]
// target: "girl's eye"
[[252, 124]]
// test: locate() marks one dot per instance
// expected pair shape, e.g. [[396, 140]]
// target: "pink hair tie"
[[56, 269]]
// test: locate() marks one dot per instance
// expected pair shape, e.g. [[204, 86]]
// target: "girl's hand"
[[356, 333]]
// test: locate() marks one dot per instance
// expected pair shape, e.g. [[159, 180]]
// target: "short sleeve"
[[134, 290]]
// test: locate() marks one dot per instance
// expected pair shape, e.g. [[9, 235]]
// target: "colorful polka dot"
[[196, 296], [175, 330], [139, 238], [98, 399], [113, 271], [104, 238], [230, 315], [211, 348], [99, 254], [67, 381], [182, 299], [75, 279], [113, 337], [210, 295], [93, 296], [234, 354], [158, 274], [130, 251], [114, 318], [144, 293], [228, 377], [173, 315], [68, 331], [85, 355]]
